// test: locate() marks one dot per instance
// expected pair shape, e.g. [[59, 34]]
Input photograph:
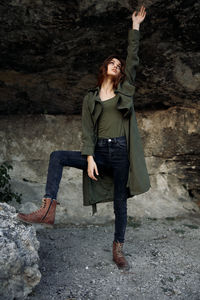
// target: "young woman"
[[112, 157]]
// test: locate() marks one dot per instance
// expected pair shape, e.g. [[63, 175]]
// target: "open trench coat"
[[138, 178]]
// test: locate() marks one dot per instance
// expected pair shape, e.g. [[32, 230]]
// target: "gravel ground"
[[76, 261]]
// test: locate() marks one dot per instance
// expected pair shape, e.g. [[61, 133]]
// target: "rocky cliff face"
[[51, 51], [50, 54]]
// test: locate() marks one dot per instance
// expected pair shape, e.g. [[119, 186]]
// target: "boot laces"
[[41, 207]]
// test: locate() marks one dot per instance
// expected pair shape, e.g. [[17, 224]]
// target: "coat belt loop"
[[94, 209]]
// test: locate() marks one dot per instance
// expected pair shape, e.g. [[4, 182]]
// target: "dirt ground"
[[164, 255]]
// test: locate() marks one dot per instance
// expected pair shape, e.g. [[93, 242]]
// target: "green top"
[[110, 123]]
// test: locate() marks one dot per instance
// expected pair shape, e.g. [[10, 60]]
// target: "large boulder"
[[19, 272]]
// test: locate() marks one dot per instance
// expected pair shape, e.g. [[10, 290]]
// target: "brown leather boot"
[[45, 214], [118, 256]]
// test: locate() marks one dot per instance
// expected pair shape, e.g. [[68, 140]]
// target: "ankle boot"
[[118, 256], [45, 214]]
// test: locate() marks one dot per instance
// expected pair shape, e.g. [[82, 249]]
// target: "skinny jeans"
[[110, 156]]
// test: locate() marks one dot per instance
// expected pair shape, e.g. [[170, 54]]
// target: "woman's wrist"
[[136, 26], [90, 157]]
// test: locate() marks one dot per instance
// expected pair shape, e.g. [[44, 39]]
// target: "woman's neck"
[[106, 90], [107, 86]]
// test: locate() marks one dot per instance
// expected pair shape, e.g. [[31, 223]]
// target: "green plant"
[[6, 194]]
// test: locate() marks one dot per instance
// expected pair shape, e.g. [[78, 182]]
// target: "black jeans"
[[111, 156]]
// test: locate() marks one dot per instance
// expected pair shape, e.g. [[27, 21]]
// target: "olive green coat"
[[138, 179]]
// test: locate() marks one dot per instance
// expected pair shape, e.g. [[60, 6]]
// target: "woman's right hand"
[[92, 167]]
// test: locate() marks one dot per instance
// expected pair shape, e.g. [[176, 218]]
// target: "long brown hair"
[[103, 71]]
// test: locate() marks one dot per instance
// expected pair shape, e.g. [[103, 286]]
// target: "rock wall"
[[19, 258], [50, 54], [171, 145], [51, 51]]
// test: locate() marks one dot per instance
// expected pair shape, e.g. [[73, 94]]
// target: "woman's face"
[[114, 67]]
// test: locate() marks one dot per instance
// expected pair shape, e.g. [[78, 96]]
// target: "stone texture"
[[51, 51], [18, 256], [50, 54], [172, 137], [171, 145]]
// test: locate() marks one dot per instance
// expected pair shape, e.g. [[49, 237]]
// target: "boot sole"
[[32, 223], [123, 268]]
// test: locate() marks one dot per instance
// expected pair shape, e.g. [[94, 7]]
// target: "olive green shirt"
[[110, 123]]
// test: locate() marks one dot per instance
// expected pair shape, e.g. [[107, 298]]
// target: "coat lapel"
[[124, 101], [125, 105]]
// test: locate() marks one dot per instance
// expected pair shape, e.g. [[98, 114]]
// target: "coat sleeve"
[[132, 60], [88, 136]]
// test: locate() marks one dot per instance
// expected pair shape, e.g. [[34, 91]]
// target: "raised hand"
[[138, 18]]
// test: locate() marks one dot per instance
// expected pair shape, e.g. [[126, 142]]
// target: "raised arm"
[[132, 60]]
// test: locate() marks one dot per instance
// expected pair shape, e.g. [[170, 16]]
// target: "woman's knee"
[[55, 155]]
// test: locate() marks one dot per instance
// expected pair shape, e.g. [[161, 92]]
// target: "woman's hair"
[[103, 71]]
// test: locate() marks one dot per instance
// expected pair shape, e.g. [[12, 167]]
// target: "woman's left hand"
[[139, 18]]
